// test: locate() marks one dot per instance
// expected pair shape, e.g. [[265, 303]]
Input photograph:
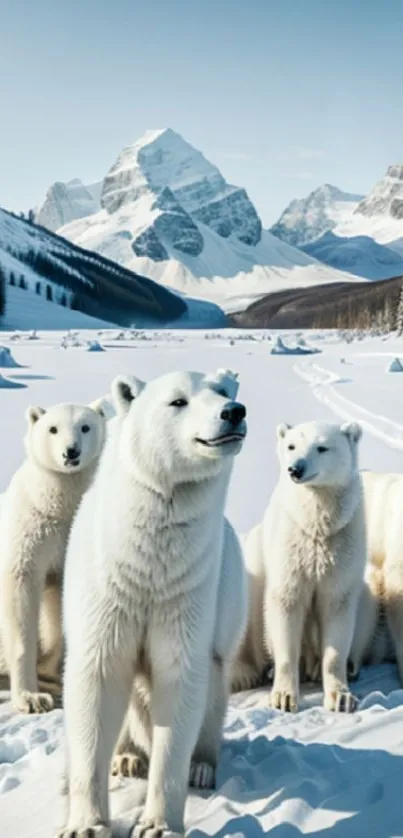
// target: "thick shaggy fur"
[[36, 514], [155, 600], [307, 560], [378, 633]]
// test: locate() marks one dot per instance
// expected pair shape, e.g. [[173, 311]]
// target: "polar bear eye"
[[53, 429], [291, 447], [85, 429], [322, 449], [178, 403]]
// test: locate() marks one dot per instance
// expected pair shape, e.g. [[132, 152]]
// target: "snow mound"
[[7, 384], [6, 359], [94, 346], [395, 366], [301, 348]]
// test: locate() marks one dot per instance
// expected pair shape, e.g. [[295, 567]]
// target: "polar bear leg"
[[364, 632], [95, 702], [285, 626], [337, 618], [206, 754], [178, 705], [20, 617], [393, 594], [133, 750], [51, 637]]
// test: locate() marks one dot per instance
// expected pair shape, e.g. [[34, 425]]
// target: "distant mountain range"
[[363, 236], [168, 213]]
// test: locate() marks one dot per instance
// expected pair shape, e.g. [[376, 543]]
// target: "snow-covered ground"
[[313, 773]]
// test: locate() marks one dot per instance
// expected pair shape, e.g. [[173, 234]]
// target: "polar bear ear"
[[352, 430], [32, 414], [126, 388], [282, 430], [103, 407], [229, 379]]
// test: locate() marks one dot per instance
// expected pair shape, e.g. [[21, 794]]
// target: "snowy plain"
[[313, 773]]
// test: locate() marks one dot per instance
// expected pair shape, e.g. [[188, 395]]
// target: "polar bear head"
[[65, 438], [319, 454], [180, 427]]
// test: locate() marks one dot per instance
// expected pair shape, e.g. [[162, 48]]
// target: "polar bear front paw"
[[202, 775], [130, 765], [98, 831], [284, 700], [340, 701], [27, 702], [153, 828]]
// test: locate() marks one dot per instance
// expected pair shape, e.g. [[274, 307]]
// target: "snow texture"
[[316, 773]]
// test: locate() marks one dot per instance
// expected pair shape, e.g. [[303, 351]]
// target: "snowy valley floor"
[[310, 774]]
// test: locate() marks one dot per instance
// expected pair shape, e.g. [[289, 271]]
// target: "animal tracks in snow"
[[324, 384]]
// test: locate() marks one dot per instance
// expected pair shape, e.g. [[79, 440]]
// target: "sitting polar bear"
[[155, 599], [306, 564], [63, 445], [378, 633]]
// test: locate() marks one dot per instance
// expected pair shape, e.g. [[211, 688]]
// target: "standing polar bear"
[[63, 445], [306, 561], [155, 594]]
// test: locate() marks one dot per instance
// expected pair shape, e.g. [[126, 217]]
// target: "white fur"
[[378, 634], [308, 557], [36, 514], [155, 601]]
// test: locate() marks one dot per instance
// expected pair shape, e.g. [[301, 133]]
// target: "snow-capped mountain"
[[169, 214], [380, 215], [360, 255], [64, 202], [306, 219], [71, 283]]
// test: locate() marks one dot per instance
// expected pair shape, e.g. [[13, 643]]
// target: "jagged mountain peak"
[[306, 219]]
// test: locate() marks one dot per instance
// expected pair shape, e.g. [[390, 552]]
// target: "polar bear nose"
[[233, 413], [297, 470], [72, 453]]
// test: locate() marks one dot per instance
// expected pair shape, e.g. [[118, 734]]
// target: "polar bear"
[[308, 555], [378, 634], [155, 598], [63, 444]]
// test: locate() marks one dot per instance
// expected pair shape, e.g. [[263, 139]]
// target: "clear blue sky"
[[282, 95]]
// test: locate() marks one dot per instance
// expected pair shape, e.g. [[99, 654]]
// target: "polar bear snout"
[[233, 413], [297, 470], [71, 455]]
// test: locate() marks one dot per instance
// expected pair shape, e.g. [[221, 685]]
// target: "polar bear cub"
[[312, 554], [154, 587], [378, 633], [63, 445]]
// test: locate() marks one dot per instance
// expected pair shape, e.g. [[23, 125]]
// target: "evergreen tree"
[[49, 293], [399, 313]]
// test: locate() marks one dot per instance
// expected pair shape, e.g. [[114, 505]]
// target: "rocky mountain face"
[[306, 219], [65, 202], [186, 188], [387, 196]]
